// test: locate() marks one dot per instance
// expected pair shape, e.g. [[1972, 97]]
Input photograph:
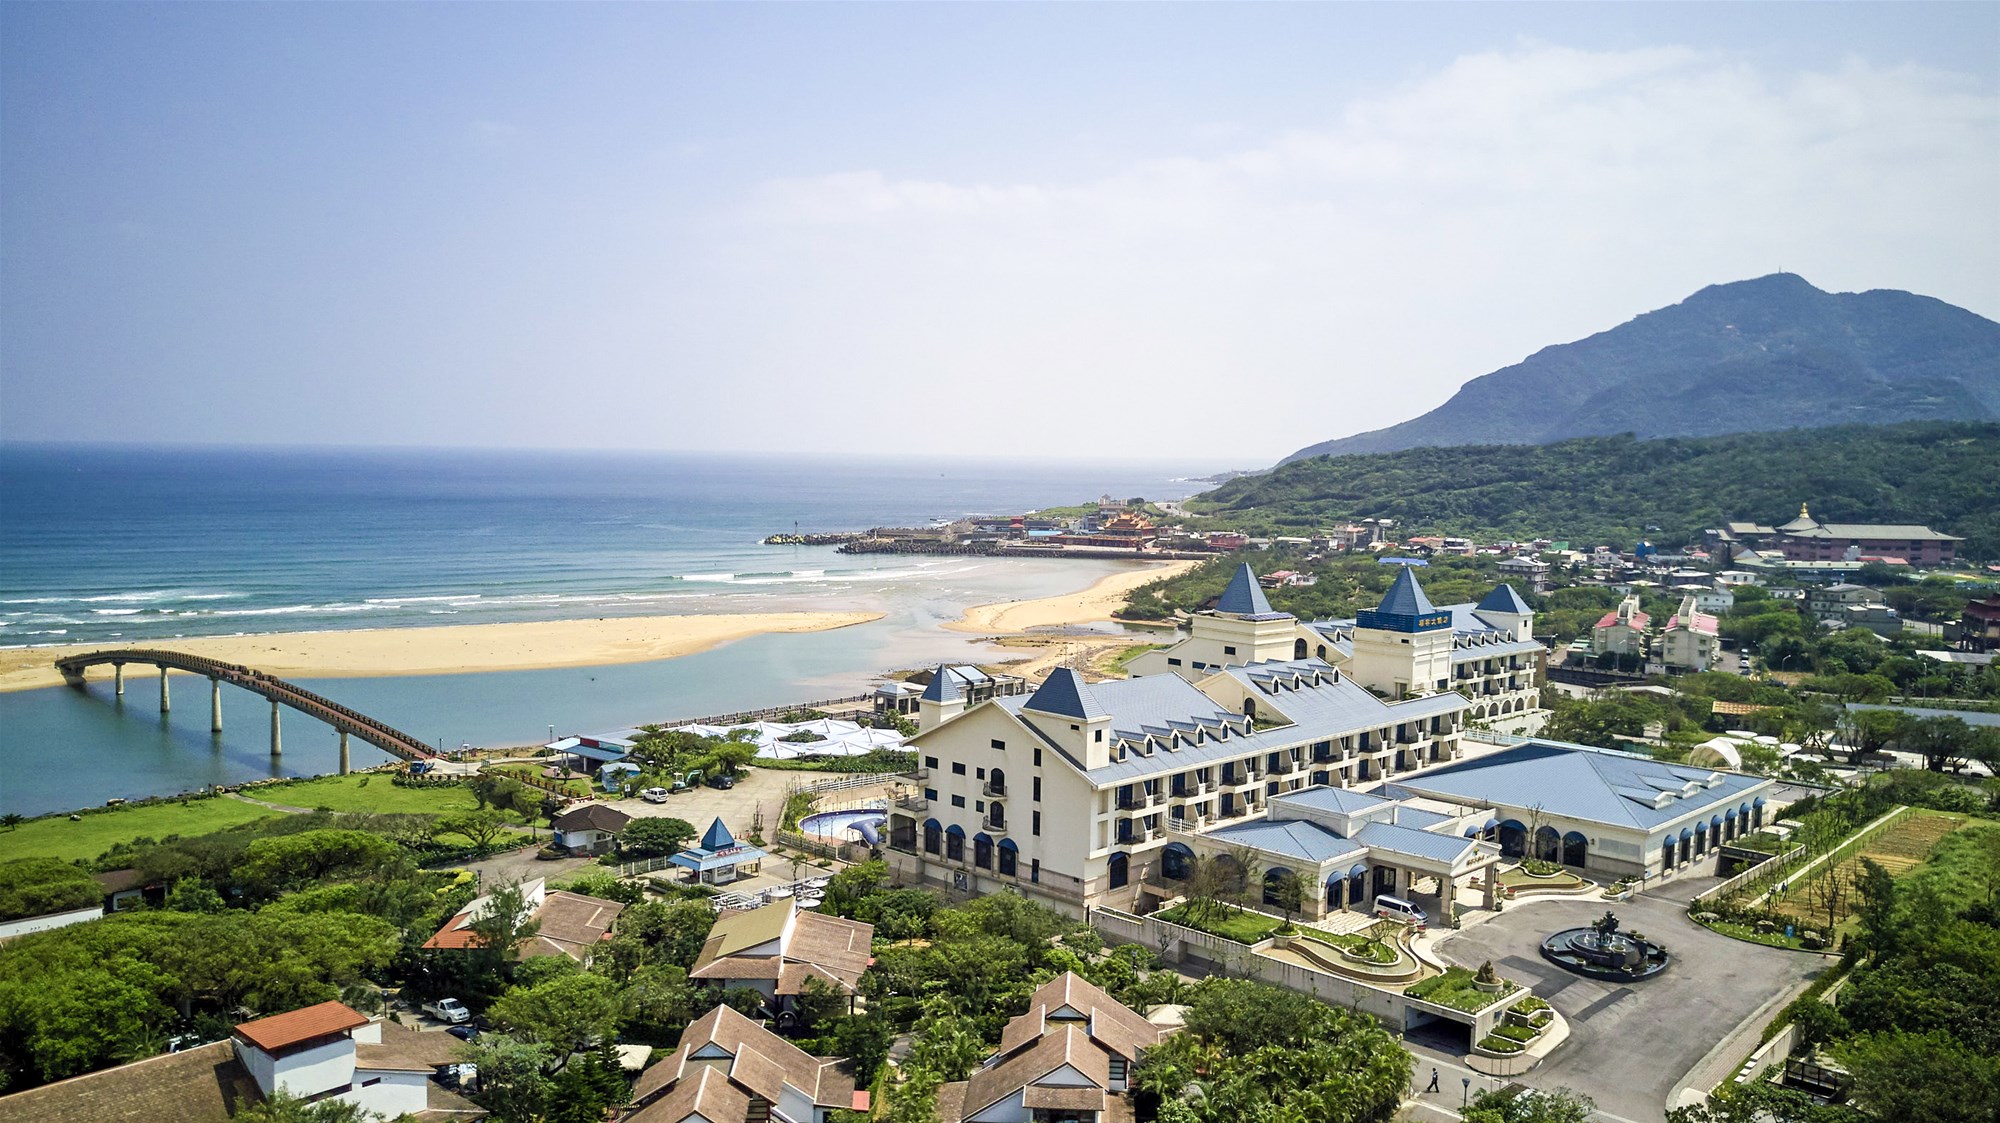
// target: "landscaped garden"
[[1535, 873], [1227, 921], [1458, 988], [1363, 946]]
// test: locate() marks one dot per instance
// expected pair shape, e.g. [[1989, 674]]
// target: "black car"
[[463, 1033], [724, 782]]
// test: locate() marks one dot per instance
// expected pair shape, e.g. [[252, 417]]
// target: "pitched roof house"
[[1071, 1054], [568, 923], [729, 1069], [777, 948], [590, 829]]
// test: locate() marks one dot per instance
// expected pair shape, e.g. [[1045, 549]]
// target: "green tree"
[[194, 895], [947, 1043], [274, 865], [1561, 1105], [1921, 1078], [588, 1090], [647, 838], [513, 1080], [507, 923], [34, 886], [915, 1099], [568, 1014], [483, 829]]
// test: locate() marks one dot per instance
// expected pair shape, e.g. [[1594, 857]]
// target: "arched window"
[[1250, 708], [954, 843], [1575, 847], [1176, 862], [1513, 839], [1320, 651], [1275, 883], [933, 836], [998, 781], [1548, 844], [1667, 855], [982, 851], [1120, 871], [1009, 858], [1299, 649], [996, 815]]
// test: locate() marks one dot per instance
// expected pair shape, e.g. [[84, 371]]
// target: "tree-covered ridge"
[[1764, 354], [1613, 489]]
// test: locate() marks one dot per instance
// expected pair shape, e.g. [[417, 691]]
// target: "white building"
[[330, 1051], [1404, 647], [1068, 793], [1692, 641]]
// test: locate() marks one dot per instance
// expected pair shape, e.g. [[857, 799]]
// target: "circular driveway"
[[1631, 1044]]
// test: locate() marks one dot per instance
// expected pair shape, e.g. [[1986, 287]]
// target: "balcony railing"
[[913, 803], [991, 790], [992, 824]]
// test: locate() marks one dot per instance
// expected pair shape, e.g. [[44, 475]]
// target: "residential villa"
[[729, 1069], [566, 923], [1693, 639], [1404, 647], [1069, 1058], [778, 948], [1806, 539], [592, 828], [1979, 629], [1622, 631], [1068, 794], [1528, 569]]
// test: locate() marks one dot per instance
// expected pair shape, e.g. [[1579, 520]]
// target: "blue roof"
[[1503, 598], [1413, 843], [1344, 801], [717, 837], [703, 861], [1244, 596], [1295, 838], [1405, 608], [1580, 782], [1064, 692], [943, 686]]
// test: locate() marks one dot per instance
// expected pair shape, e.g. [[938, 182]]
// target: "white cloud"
[[1351, 274]]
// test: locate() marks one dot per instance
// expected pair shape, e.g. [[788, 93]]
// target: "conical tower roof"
[[1244, 596]]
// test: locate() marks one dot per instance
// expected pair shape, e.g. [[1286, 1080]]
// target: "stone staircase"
[[1344, 922]]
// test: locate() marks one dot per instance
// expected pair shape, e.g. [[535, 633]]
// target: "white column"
[[164, 703], [118, 679], [343, 754], [277, 744], [215, 705]]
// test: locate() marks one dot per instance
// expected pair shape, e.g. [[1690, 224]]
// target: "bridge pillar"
[[277, 744], [343, 754], [165, 702], [118, 679], [215, 705]]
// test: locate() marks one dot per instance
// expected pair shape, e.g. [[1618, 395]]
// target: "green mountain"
[[1613, 489], [1773, 353]]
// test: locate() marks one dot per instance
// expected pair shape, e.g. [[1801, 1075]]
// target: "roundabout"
[[1601, 951]]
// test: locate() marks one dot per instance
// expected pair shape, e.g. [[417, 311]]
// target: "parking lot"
[[1631, 1045]]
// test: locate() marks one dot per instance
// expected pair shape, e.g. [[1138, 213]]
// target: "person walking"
[[1434, 1081]]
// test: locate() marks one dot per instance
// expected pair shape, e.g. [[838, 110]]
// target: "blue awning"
[[1358, 870], [1008, 844], [955, 829]]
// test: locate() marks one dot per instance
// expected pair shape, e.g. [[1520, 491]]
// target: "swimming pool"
[[846, 826]]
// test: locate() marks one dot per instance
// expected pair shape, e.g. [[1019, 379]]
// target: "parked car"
[[724, 782], [448, 1010], [1396, 908], [654, 795], [464, 1032]]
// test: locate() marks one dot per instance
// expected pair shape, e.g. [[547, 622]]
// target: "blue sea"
[[144, 545]]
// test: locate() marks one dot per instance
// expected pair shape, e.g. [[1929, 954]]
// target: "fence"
[[861, 781], [768, 713], [807, 843], [1769, 873], [645, 865]]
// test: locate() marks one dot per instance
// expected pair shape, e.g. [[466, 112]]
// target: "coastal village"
[[1602, 829]]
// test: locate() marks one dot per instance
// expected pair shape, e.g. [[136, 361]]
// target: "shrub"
[[1493, 1043]]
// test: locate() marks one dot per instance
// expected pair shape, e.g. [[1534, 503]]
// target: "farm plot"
[[1829, 895]]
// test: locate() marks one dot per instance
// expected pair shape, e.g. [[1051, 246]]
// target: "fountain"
[[1601, 951]]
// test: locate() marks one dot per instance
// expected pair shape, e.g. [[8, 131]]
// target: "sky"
[[994, 229]]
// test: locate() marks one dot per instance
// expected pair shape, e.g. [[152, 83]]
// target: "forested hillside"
[[1619, 489]]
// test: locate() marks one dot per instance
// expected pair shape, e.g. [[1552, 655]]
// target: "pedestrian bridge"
[[347, 722]]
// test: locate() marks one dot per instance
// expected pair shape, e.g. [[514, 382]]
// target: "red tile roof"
[[281, 1031]]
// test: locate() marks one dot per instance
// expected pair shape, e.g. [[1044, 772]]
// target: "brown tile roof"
[[1069, 1045], [592, 816], [284, 1031], [951, 1102], [810, 945], [571, 924], [201, 1085], [408, 1050], [118, 881], [1058, 1098], [706, 1093], [1115, 1026], [1738, 708], [760, 1063]]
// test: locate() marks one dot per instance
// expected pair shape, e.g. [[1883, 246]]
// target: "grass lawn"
[[367, 792], [1375, 951], [1233, 924], [577, 788], [1518, 878], [1116, 664], [57, 837]]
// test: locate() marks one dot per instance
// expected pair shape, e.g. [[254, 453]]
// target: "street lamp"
[[1465, 1094]]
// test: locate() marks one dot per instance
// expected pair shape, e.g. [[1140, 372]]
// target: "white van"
[[654, 795], [1397, 908]]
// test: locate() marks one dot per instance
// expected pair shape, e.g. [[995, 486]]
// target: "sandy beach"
[[1097, 603], [452, 649]]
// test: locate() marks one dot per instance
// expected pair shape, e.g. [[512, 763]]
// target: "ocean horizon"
[[147, 545]]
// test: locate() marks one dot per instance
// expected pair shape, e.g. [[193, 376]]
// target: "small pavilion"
[[719, 859]]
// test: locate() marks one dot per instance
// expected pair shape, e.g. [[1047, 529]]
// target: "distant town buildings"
[[1806, 539]]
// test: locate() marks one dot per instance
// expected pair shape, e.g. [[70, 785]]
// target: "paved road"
[[1631, 1044]]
